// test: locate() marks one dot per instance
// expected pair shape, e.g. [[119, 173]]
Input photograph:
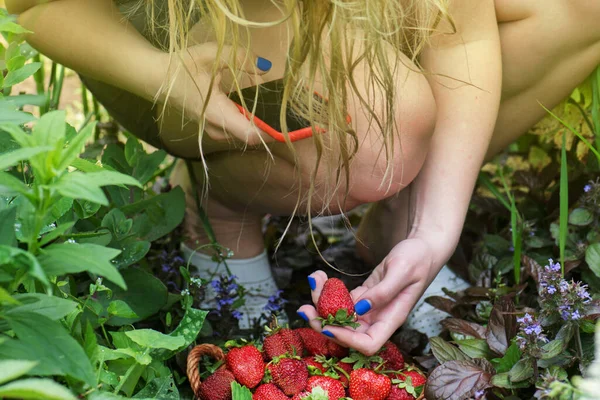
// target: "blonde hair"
[[325, 35]]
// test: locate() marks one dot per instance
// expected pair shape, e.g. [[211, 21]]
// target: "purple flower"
[[552, 266], [551, 289], [575, 315], [216, 284], [236, 314], [564, 286], [587, 188]]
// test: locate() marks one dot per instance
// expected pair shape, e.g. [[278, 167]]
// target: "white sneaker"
[[426, 318]]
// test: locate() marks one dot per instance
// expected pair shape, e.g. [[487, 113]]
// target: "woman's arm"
[[466, 114], [466, 117], [93, 38]]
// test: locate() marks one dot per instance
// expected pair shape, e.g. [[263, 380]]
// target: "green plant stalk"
[[58, 87], [84, 100], [39, 78], [483, 179], [127, 375], [596, 105], [515, 228], [564, 204]]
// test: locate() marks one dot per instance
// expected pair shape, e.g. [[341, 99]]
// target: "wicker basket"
[[195, 356], [193, 361]]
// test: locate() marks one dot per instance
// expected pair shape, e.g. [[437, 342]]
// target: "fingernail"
[[304, 317], [362, 307], [312, 283], [263, 64], [327, 333]]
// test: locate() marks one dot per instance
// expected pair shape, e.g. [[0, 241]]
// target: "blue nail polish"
[[304, 316], [263, 64], [312, 283], [328, 334], [362, 307]]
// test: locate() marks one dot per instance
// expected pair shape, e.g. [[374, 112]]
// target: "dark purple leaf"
[[441, 303], [464, 327], [571, 265], [458, 380], [502, 325], [592, 310]]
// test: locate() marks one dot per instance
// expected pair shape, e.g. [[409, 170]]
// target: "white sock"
[[426, 318], [252, 273]]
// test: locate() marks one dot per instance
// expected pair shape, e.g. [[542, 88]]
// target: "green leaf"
[[13, 369], [592, 258], [240, 392], [444, 351], [42, 389], [9, 26], [474, 348], [10, 115], [85, 166], [41, 339], [563, 203], [23, 260], [77, 185], [132, 253], [9, 159], [155, 340], [521, 371], [121, 309], [189, 328], [581, 217], [163, 388], [50, 129], [504, 364], [6, 298], [19, 75], [157, 216], [76, 145], [105, 178], [503, 381], [145, 294], [56, 233], [9, 185], [7, 227], [66, 258], [51, 307]]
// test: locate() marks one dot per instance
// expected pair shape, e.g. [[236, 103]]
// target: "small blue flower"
[[236, 314], [551, 289], [575, 315], [587, 188], [216, 284], [564, 286]]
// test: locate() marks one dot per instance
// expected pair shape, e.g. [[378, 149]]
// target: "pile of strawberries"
[[304, 364]]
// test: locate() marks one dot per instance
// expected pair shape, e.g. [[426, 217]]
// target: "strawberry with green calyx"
[[314, 367], [411, 382], [332, 387], [366, 384], [392, 357], [217, 386], [290, 374], [360, 360], [316, 394], [317, 344], [269, 391], [335, 305], [246, 363], [280, 341]]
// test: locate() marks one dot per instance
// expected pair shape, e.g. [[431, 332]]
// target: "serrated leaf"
[[444, 351], [459, 379]]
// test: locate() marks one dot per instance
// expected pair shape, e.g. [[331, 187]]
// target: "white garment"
[[424, 317]]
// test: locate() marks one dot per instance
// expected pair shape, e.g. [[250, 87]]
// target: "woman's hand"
[[387, 297], [191, 86]]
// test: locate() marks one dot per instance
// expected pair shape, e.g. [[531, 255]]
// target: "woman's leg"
[[547, 50]]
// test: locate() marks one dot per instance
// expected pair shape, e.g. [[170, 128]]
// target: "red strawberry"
[[335, 305], [399, 394], [217, 386], [311, 362], [416, 377], [290, 374], [247, 365], [335, 350], [268, 391], [283, 341], [368, 385], [314, 342], [333, 387], [392, 356], [301, 395]]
